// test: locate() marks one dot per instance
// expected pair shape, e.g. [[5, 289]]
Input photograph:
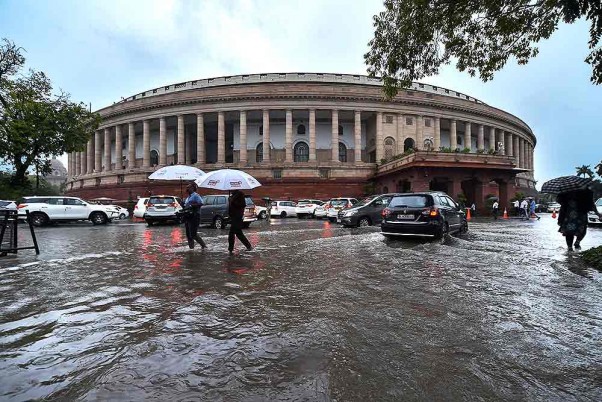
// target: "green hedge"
[[593, 257]]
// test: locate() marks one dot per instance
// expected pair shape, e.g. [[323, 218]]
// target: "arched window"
[[260, 130], [340, 130], [154, 158], [301, 129], [301, 152], [342, 152], [389, 148], [259, 153], [408, 144]]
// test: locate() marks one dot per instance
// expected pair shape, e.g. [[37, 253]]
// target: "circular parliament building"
[[308, 135]]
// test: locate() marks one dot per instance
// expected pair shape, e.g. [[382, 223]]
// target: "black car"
[[430, 214], [366, 212], [214, 211]]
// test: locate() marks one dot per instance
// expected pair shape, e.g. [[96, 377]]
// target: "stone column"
[[453, 137], [107, 148], [78, 164], [516, 150], [131, 146], [70, 170], [83, 162], [492, 138], [503, 141], [118, 148], [510, 144], [357, 128], [200, 138], [532, 157], [221, 138], [468, 135], [162, 142], [334, 137], [312, 135], [243, 137], [400, 134], [481, 138], [188, 141], [380, 151], [146, 143], [90, 155], [266, 135], [437, 133], [181, 141], [97, 152], [288, 141], [419, 133]]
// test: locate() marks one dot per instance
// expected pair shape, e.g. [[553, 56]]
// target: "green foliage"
[[492, 152], [585, 170], [519, 195], [593, 257], [445, 150], [383, 161], [10, 191], [466, 151], [370, 188], [599, 169], [480, 151], [35, 123], [413, 38]]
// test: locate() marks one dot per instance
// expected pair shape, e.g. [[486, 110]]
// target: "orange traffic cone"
[[554, 214], [505, 214], [467, 214]]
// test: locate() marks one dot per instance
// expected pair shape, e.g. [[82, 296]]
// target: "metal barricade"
[[9, 231]]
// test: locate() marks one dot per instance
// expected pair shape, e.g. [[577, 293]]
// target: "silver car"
[[163, 208]]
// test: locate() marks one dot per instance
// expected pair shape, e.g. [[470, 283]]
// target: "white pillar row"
[[437, 124], [76, 163], [516, 150], [221, 138], [453, 136], [266, 135], [90, 155], [97, 152], [380, 152], [146, 143], [181, 141], [200, 138], [509, 145], [400, 134], [334, 136], [419, 133], [357, 129], [503, 141], [492, 138], [107, 148], [468, 135], [243, 137], [288, 141], [118, 148], [83, 162], [521, 151], [312, 135], [162, 141], [188, 140], [131, 146], [481, 138]]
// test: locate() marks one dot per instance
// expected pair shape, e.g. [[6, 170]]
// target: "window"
[[389, 119], [73, 201], [408, 144], [342, 152], [260, 130], [411, 201], [409, 121], [277, 173], [301, 152], [301, 129], [259, 153], [154, 158], [55, 201], [389, 148], [427, 122], [340, 130], [209, 200], [221, 200]]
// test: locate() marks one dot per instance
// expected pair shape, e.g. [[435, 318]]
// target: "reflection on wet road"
[[315, 312]]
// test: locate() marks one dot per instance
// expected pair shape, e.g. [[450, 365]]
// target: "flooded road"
[[315, 312]]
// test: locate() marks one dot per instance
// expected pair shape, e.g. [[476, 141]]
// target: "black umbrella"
[[565, 184]]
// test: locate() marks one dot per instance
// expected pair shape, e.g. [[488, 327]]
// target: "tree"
[[599, 169], [35, 124], [584, 170], [413, 38]]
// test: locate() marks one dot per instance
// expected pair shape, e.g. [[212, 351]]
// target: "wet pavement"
[[315, 312]]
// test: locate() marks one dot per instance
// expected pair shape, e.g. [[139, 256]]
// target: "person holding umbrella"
[[236, 210], [192, 216]]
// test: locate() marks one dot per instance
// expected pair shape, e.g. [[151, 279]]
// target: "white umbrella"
[[177, 172], [228, 180]]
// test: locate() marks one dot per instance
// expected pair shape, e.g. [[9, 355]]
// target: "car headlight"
[[350, 213]]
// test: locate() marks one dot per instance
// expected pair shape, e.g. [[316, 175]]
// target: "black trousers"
[[236, 230], [192, 228]]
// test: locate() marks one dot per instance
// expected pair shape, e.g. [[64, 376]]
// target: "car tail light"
[[136, 207], [432, 212], [386, 212], [21, 206], [173, 204]]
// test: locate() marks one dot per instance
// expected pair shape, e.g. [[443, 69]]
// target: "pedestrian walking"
[[572, 218], [192, 216], [524, 207], [495, 209], [473, 208], [516, 205], [236, 211], [532, 208]]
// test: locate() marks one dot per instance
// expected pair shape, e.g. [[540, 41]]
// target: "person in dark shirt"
[[236, 210], [192, 216], [572, 217]]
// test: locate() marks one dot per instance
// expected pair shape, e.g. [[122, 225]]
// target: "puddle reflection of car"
[[163, 208], [366, 212], [336, 204], [428, 214]]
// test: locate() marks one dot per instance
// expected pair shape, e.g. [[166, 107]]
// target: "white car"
[[282, 209], [6, 204], [553, 206], [261, 212], [47, 209], [320, 211], [140, 208], [307, 207], [163, 208], [123, 212], [336, 204], [593, 218]]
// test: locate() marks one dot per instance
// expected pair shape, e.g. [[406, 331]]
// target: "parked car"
[[163, 208], [140, 207], [6, 204], [592, 218], [336, 204], [366, 212], [47, 209], [214, 211], [320, 211], [283, 209], [431, 214], [306, 207], [261, 212], [123, 212], [553, 206]]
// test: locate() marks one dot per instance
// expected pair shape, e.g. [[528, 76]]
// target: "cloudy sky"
[[100, 51]]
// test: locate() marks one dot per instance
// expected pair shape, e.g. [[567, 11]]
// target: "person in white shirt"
[[495, 209], [516, 205], [524, 206]]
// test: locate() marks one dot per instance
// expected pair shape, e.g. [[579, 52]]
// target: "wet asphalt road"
[[315, 312]]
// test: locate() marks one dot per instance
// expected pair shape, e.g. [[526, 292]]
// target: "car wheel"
[[39, 219], [283, 214], [363, 222], [245, 225], [263, 215], [218, 223], [442, 231], [98, 218], [149, 223], [122, 216]]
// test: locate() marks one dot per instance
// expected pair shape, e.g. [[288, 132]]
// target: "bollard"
[[505, 214]]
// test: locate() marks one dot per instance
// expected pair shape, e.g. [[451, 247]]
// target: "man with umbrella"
[[576, 200], [192, 216]]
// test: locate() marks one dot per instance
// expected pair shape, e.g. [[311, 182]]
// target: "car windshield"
[[365, 201], [249, 201], [161, 200], [410, 201], [4, 203], [301, 202], [338, 203], [599, 202]]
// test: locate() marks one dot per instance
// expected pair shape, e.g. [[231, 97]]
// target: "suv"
[[140, 208], [431, 214], [163, 208], [283, 209], [214, 211], [307, 207], [366, 212], [46, 209], [336, 204]]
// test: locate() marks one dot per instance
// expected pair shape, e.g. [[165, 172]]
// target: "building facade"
[[307, 135]]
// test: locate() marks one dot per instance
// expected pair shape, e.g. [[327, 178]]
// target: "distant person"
[[524, 207], [516, 205], [495, 209], [192, 216], [572, 218], [473, 208], [236, 211], [532, 208]]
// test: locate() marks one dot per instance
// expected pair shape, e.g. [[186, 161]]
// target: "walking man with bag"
[[236, 211], [192, 216]]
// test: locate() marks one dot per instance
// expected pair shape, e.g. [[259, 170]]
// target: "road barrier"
[[9, 224]]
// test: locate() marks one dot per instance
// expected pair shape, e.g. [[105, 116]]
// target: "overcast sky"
[[100, 51]]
